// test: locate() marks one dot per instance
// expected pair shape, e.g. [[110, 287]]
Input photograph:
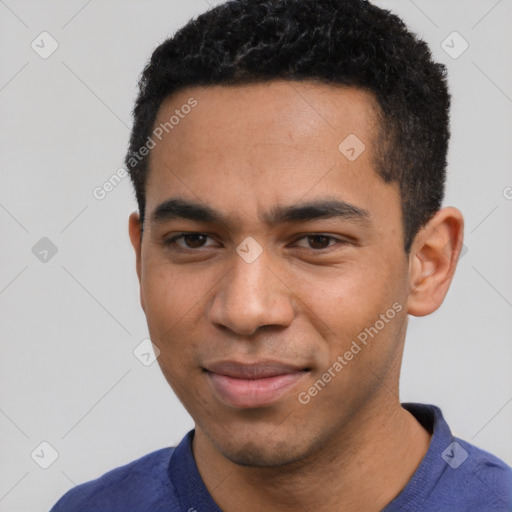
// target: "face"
[[268, 255]]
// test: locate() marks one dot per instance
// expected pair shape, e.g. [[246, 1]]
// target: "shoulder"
[[483, 479], [454, 475], [140, 485]]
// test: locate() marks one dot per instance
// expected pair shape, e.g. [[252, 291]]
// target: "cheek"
[[176, 302], [346, 304], [344, 296], [169, 298]]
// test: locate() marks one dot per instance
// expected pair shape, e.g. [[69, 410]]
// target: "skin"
[[243, 151]]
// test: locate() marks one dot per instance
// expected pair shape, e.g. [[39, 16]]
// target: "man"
[[288, 159]]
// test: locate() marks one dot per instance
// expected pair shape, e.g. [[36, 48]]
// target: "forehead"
[[279, 112], [260, 145]]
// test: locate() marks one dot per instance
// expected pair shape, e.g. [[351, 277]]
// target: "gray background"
[[69, 325]]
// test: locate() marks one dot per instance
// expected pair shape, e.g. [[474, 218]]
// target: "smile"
[[255, 385]]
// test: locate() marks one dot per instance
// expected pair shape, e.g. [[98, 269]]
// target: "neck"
[[362, 468]]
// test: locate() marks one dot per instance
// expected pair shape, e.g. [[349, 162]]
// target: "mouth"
[[253, 385]]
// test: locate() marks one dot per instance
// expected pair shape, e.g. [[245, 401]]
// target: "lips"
[[253, 385]]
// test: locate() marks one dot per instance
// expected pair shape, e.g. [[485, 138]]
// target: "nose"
[[250, 296]]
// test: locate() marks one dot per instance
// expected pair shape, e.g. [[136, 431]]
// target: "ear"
[[135, 231], [433, 259]]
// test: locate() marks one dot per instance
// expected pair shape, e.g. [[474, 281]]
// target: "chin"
[[255, 455], [264, 451]]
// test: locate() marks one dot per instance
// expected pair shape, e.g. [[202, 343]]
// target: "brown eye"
[[317, 242], [188, 241], [195, 240]]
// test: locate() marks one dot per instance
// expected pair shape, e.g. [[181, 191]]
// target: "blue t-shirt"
[[454, 476]]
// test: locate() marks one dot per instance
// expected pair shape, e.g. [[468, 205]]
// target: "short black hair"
[[343, 42]]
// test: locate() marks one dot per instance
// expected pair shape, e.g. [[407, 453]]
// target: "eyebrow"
[[176, 208]]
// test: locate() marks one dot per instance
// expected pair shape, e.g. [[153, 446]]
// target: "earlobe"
[[433, 260]]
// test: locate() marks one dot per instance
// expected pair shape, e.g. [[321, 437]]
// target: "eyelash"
[[172, 240]]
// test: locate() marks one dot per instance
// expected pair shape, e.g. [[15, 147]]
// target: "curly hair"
[[344, 42]]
